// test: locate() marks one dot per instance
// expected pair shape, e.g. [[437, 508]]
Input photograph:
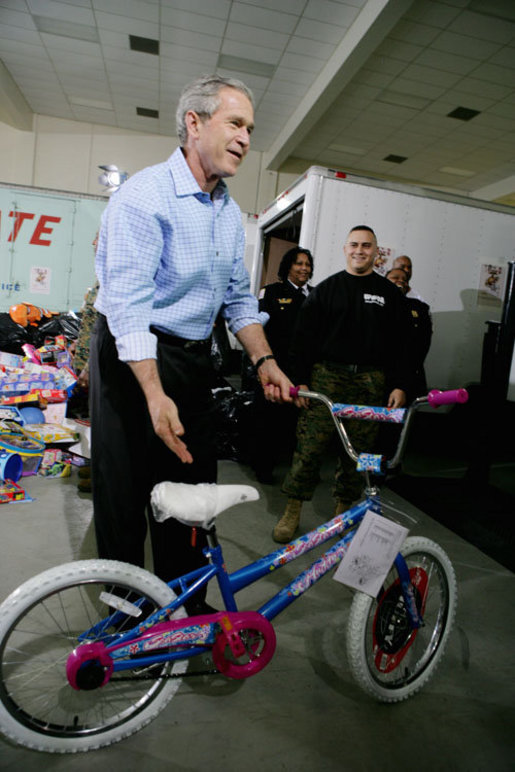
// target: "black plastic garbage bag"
[[12, 336], [233, 420], [67, 324]]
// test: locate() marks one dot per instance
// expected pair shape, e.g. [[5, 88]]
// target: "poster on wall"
[[491, 285], [40, 279], [384, 256]]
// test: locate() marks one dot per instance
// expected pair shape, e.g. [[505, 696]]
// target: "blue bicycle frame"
[[194, 634]]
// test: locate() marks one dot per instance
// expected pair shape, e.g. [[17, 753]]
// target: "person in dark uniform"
[[420, 333], [274, 425]]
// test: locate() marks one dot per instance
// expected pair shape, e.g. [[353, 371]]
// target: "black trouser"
[[128, 458]]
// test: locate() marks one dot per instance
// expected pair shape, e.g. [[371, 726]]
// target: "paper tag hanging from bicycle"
[[371, 554]]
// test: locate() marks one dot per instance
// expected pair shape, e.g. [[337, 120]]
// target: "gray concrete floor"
[[303, 712]]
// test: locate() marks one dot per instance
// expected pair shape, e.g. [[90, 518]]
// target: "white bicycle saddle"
[[197, 505]]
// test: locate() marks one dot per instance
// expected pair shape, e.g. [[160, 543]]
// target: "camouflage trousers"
[[315, 431]]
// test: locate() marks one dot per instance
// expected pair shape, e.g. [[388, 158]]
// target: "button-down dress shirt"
[[171, 255]]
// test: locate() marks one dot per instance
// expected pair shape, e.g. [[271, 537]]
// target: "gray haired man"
[[169, 259]]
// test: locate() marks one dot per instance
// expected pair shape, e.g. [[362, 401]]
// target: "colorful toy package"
[[30, 450], [10, 491]]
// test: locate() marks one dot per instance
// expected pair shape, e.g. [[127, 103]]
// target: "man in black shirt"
[[348, 344]]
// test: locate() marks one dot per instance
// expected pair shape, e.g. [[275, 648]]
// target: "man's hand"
[[276, 385], [163, 410], [397, 398], [167, 425]]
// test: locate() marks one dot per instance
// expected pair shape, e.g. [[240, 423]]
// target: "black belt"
[[184, 343]]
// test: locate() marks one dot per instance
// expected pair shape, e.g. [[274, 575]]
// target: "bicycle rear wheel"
[[387, 657], [40, 623]]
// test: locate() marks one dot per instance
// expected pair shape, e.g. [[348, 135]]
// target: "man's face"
[[360, 250], [400, 278], [300, 270], [404, 263], [222, 141]]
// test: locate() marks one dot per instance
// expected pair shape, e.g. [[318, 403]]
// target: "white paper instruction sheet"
[[371, 553]]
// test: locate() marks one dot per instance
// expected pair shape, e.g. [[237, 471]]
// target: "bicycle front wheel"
[[388, 658], [41, 623]]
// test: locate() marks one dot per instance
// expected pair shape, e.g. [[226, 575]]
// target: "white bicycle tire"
[[364, 649], [46, 587]]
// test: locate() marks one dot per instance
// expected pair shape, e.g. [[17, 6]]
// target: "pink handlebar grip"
[[437, 397], [294, 391]]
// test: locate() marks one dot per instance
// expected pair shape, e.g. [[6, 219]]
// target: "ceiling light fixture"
[[112, 177]]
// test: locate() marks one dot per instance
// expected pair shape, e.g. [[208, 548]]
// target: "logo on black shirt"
[[377, 299]]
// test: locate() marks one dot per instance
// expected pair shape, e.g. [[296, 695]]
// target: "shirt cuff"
[[236, 325], [135, 346]]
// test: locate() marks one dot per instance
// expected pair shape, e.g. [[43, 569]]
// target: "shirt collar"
[[303, 289], [185, 182]]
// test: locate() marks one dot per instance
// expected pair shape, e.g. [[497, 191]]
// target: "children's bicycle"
[[93, 650]]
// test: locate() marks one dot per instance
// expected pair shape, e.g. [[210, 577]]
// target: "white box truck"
[[459, 246]]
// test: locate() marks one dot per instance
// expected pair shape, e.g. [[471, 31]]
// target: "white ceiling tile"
[[478, 25], [315, 30], [135, 9], [398, 49], [504, 109], [254, 82], [474, 86], [143, 29], [62, 11], [23, 34], [464, 45], [331, 12], [280, 87], [374, 79], [287, 6], [505, 57], [430, 75], [307, 47], [125, 57], [493, 73], [219, 9], [304, 63], [442, 60], [16, 19], [297, 76], [196, 40], [192, 21], [175, 53], [262, 17], [417, 87], [60, 43], [244, 33], [432, 12], [385, 64], [414, 33], [19, 48], [247, 51]]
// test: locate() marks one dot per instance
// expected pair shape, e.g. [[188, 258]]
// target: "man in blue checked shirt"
[[169, 258]]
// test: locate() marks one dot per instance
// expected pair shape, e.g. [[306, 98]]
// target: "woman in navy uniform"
[[274, 427]]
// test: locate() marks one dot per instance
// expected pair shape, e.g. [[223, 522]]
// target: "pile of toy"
[[34, 389]]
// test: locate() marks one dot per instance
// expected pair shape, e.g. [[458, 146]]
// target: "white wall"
[[65, 155]]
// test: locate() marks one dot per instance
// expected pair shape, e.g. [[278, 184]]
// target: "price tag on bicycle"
[[371, 553]]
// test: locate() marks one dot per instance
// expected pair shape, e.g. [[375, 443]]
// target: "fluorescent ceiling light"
[[66, 29], [457, 172], [348, 149], [96, 103], [249, 66]]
